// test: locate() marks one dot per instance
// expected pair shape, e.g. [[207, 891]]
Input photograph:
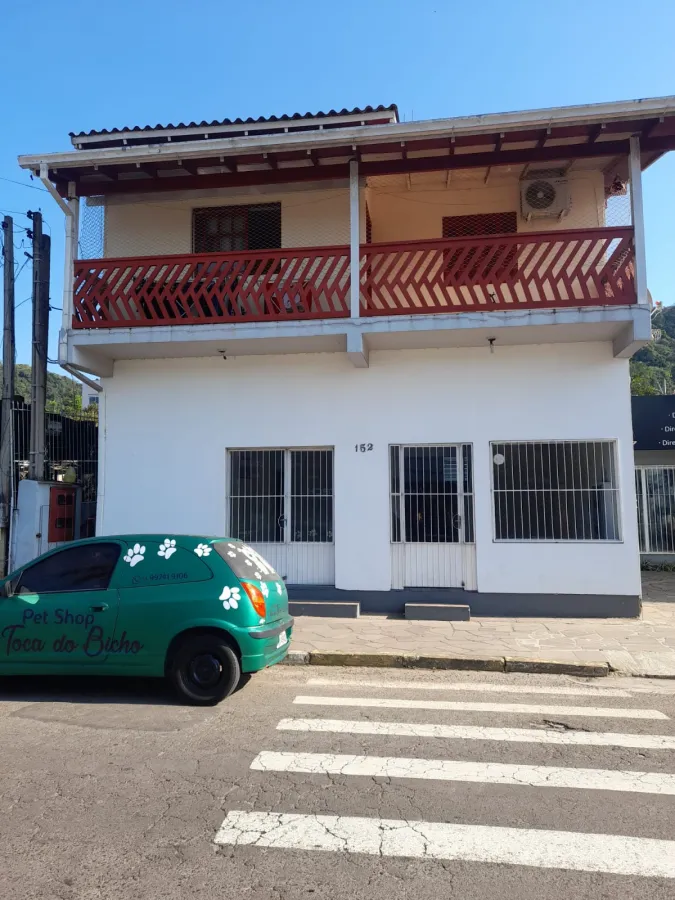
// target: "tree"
[[653, 367], [64, 395]]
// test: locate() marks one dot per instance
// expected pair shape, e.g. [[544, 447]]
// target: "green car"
[[196, 610]]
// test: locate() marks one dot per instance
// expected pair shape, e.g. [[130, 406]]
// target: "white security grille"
[[281, 496], [555, 491], [656, 508], [431, 494], [281, 502]]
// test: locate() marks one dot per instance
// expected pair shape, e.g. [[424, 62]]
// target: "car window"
[[85, 568], [244, 561]]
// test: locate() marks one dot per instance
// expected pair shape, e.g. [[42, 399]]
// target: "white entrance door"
[[432, 523], [281, 502]]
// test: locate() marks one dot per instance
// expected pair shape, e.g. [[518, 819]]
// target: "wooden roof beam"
[[595, 132]]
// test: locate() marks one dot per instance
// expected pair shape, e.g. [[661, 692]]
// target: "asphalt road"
[[377, 784]]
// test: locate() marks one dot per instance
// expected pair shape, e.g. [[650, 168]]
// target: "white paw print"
[[257, 575], [279, 588], [230, 597], [265, 591], [167, 548], [134, 555], [248, 562], [231, 554], [203, 550]]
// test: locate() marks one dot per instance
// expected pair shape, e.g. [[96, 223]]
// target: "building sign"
[[654, 422]]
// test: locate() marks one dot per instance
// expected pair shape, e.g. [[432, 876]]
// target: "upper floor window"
[[227, 229]]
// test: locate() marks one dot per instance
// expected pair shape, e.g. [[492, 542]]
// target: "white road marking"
[[465, 706], [475, 687], [460, 770], [614, 854], [480, 733]]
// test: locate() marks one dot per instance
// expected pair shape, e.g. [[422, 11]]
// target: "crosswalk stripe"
[[613, 854], [461, 770], [465, 706], [480, 733], [476, 687]]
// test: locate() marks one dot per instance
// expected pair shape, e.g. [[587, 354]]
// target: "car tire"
[[204, 670]]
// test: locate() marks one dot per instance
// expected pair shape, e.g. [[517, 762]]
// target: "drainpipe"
[[71, 370], [71, 208]]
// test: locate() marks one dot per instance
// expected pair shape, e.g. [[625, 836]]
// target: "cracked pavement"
[[110, 790]]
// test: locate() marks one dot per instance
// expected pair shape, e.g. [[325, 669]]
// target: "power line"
[[33, 187]]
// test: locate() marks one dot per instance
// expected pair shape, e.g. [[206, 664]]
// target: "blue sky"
[[79, 65]]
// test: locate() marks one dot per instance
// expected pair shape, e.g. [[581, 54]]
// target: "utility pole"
[[6, 423], [38, 392]]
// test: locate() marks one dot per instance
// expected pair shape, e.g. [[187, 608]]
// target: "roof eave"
[[596, 113]]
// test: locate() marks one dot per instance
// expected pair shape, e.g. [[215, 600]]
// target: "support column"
[[72, 226], [635, 174], [354, 240]]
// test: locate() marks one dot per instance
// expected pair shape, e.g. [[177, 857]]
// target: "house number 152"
[[363, 448]]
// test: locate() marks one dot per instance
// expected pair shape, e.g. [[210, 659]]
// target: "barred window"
[[281, 496], [555, 491], [226, 229], [431, 494]]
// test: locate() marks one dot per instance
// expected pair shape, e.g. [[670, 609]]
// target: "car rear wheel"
[[205, 670]]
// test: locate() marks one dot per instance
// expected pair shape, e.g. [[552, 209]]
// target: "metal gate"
[[655, 487], [432, 518], [281, 502]]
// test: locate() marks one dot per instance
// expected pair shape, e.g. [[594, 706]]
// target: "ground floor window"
[[281, 496], [555, 491], [656, 508], [431, 493]]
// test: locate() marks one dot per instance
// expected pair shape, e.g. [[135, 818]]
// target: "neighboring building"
[[654, 446], [461, 422], [89, 394]]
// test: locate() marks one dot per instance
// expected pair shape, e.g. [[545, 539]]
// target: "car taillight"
[[256, 597]]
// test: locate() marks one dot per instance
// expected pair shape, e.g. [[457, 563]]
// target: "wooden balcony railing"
[[256, 286], [587, 267], [511, 271]]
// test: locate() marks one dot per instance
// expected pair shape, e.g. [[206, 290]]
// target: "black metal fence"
[[71, 456]]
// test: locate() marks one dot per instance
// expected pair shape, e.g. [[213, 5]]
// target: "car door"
[[60, 609]]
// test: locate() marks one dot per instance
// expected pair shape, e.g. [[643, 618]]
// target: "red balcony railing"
[[588, 267], [256, 286]]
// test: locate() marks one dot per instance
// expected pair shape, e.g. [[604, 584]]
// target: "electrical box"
[[46, 515], [62, 501]]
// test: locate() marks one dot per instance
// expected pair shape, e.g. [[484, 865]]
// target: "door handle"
[[100, 608]]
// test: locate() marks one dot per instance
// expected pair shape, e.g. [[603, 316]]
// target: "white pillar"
[[635, 174], [72, 227], [354, 239]]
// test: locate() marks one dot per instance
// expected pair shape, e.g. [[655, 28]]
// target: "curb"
[[466, 663]]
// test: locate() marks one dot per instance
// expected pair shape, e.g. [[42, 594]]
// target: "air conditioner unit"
[[544, 198]]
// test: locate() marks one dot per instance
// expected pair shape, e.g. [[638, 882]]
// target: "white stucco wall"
[[166, 425]]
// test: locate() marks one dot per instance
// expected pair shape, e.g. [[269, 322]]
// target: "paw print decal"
[[134, 555], [279, 588], [264, 590], [230, 597], [203, 550], [167, 548]]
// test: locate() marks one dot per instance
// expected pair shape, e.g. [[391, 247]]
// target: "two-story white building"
[[391, 356]]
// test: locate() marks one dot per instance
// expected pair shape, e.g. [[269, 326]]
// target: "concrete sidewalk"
[[644, 646]]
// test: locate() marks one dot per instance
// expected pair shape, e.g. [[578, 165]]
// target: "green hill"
[[64, 395], [652, 369]]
